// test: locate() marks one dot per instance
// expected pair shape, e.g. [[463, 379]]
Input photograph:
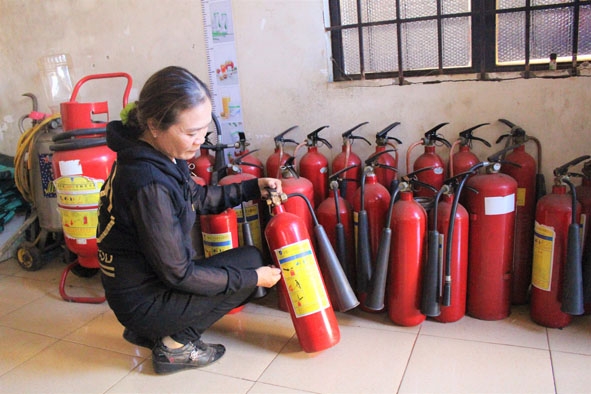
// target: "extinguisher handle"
[[312, 138], [358, 137], [373, 159], [101, 76], [517, 133], [442, 140], [239, 160], [413, 175], [382, 136], [468, 135], [280, 137], [348, 133], [430, 134], [336, 175], [563, 169]]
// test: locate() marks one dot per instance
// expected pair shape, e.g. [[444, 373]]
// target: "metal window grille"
[[396, 38]]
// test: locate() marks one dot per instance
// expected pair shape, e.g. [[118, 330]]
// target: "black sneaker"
[[195, 354], [138, 340]]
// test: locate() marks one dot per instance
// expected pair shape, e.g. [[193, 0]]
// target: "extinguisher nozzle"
[[572, 288]]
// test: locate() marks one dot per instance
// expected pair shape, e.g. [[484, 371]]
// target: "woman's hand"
[[268, 276], [269, 183]]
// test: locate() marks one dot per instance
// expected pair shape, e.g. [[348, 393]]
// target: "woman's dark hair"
[[165, 94]]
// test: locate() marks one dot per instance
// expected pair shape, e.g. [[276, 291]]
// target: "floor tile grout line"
[[409, 358], [551, 361]]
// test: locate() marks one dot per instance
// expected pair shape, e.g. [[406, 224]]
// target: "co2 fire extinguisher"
[[302, 284], [292, 182], [245, 159], [336, 216], [386, 176], [429, 158], [465, 159], [348, 158], [491, 205], [202, 166], [314, 165], [584, 197], [278, 158], [370, 204], [557, 274], [530, 187]]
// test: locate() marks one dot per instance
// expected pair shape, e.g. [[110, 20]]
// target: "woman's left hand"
[[269, 183]]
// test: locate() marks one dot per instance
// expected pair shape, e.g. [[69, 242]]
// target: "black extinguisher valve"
[[348, 135], [382, 136], [313, 139], [563, 169], [467, 136], [431, 136], [280, 139]]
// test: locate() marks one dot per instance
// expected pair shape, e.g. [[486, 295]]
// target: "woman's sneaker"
[[194, 354]]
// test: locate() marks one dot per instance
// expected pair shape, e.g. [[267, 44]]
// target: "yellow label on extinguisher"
[[302, 278], [520, 198], [78, 190], [79, 223], [216, 243], [544, 239]]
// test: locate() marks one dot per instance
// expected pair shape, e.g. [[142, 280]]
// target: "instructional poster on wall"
[[223, 67]]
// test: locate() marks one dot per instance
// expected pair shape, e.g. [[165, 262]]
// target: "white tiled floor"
[[48, 345]]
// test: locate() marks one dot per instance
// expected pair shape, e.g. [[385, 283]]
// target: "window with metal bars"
[[374, 39]]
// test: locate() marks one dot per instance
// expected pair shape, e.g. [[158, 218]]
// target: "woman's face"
[[183, 139]]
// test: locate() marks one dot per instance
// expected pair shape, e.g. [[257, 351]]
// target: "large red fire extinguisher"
[[384, 171], [278, 158], [348, 158], [557, 275], [202, 166], [530, 187], [336, 216], [244, 158], [584, 197], [302, 283], [444, 291], [292, 182], [314, 165], [81, 163], [491, 204], [370, 204], [464, 159], [429, 158]]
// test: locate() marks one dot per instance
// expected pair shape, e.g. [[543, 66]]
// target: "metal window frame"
[[483, 32]]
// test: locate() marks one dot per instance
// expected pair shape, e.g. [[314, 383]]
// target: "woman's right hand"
[[268, 276]]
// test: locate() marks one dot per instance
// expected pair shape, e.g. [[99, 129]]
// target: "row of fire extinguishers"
[[383, 240]]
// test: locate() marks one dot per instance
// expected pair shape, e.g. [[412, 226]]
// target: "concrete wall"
[[282, 51]]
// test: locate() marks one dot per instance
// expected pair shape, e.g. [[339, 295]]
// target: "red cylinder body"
[[79, 175], [352, 177], [386, 176], [553, 217], [376, 202], [291, 248], [327, 217], [492, 226], [525, 211], [220, 232], [463, 160], [584, 197], [408, 224], [248, 165], [275, 161], [202, 165], [314, 167], [297, 205], [434, 177], [459, 258]]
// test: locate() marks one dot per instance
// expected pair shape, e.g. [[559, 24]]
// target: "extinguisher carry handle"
[[469, 136], [348, 133], [382, 136], [280, 137], [432, 133], [312, 138], [358, 137], [101, 76], [563, 169]]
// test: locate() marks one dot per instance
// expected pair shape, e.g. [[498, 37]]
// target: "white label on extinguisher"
[[544, 238], [302, 278], [499, 205], [70, 167]]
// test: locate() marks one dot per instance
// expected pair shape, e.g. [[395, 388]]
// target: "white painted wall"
[[282, 57]]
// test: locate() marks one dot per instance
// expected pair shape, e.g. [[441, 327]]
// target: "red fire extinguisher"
[[444, 292], [465, 159], [348, 158], [302, 284], [292, 182], [278, 158], [336, 216], [81, 163], [408, 223], [530, 187], [584, 197], [385, 175], [202, 166], [429, 158], [244, 158], [557, 277], [314, 165], [491, 204], [370, 204]]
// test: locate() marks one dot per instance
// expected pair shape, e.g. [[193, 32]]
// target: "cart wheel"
[[29, 257]]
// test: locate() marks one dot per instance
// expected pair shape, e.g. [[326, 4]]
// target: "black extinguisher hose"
[[572, 285], [345, 297], [339, 228], [363, 247]]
